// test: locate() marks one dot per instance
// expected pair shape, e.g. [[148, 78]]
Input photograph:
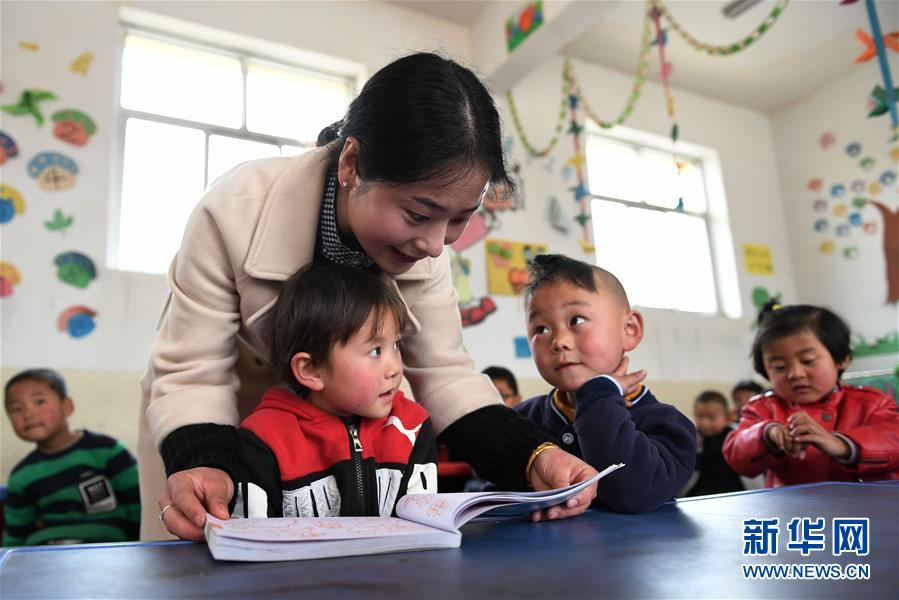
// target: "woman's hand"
[[191, 494], [805, 430], [554, 468]]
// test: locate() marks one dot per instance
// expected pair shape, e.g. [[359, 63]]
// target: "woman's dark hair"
[[503, 374], [422, 117], [53, 379], [776, 321], [323, 305]]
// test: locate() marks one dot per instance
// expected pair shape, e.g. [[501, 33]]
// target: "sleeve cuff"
[[853, 450], [203, 445]]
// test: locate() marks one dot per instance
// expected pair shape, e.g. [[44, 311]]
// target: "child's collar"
[[559, 401]]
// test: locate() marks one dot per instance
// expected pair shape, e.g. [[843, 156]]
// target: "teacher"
[[390, 185]]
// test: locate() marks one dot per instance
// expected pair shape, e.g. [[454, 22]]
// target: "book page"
[[300, 529]]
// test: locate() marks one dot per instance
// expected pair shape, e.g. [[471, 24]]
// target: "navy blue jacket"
[[655, 441]]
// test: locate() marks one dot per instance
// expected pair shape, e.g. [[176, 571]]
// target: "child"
[[505, 383], [742, 392], [339, 439], [713, 423], [76, 487], [580, 325], [811, 427]]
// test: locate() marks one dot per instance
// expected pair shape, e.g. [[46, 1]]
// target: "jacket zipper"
[[356, 452]]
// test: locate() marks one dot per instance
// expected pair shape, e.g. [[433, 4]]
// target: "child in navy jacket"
[[580, 325]]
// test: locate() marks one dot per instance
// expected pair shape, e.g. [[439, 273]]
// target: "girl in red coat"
[[811, 427]]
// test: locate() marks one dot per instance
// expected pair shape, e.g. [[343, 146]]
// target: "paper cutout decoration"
[[880, 102], [887, 178], [867, 163], [556, 216], [472, 315], [73, 126], [894, 154], [757, 258], [8, 148], [890, 40], [54, 171], [886, 344], [820, 205], [9, 278], [523, 23], [870, 228], [837, 190], [874, 188], [11, 203], [827, 140], [75, 268], [858, 185], [30, 46], [461, 269], [890, 218], [853, 149], [82, 63], [522, 348], [821, 225], [840, 210], [587, 247], [507, 265], [59, 222], [815, 184], [77, 321], [855, 219], [850, 252], [28, 104], [841, 230], [826, 247], [475, 230]]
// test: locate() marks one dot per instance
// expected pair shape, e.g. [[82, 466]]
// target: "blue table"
[[692, 548]]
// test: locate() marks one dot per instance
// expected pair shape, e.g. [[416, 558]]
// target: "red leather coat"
[[862, 414]]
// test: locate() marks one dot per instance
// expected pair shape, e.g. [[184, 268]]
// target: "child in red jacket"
[[811, 427]]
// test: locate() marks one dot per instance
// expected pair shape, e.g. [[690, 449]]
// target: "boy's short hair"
[[712, 397], [747, 385], [323, 305], [53, 379], [503, 374], [546, 269]]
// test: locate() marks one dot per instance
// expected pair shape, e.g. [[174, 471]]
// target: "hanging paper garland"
[[516, 120], [581, 195], [725, 49], [888, 91]]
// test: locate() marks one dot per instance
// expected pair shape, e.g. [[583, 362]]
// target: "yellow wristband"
[[534, 455]]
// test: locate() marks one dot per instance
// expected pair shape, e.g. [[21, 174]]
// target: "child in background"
[[339, 438], [811, 427], [505, 383], [742, 392], [75, 487], [713, 424], [580, 325]]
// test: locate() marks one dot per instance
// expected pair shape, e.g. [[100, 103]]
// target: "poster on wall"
[[507, 265], [757, 259]]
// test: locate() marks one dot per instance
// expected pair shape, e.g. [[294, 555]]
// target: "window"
[[656, 230], [188, 114]]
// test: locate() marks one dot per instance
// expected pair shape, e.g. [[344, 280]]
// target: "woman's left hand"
[[554, 468], [806, 430]]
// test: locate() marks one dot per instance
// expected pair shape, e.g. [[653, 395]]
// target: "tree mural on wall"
[[890, 247]]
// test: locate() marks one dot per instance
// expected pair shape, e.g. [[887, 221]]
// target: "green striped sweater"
[[85, 493]]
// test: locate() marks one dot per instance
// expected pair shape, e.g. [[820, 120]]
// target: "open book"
[[424, 522]]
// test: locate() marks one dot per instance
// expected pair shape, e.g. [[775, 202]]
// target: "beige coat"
[[253, 229]]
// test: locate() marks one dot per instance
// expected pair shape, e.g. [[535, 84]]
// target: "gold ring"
[[162, 514]]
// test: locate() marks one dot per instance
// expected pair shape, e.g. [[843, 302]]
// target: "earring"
[[346, 183]]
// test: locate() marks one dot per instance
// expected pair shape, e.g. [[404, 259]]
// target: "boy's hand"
[[805, 430], [629, 382], [554, 468], [779, 437], [191, 494]]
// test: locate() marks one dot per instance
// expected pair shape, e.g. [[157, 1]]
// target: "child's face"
[[711, 418], [510, 398], [741, 397], [37, 413], [800, 367], [363, 375], [576, 334]]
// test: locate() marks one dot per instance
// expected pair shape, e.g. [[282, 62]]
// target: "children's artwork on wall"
[[507, 265], [827, 140], [522, 348], [9, 278], [461, 268], [475, 231], [878, 102], [815, 184], [29, 104], [73, 126], [525, 21], [75, 268], [11, 203], [8, 148], [757, 259], [557, 218], [29, 46], [54, 171], [59, 222], [886, 344], [77, 321], [884, 96], [82, 63], [477, 312]]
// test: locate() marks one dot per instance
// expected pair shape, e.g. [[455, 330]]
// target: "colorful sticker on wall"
[[461, 269], [30, 46], [77, 321], [525, 21], [853, 149], [11, 203], [827, 139], [9, 278], [522, 348], [82, 63], [54, 171], [476, 313], [887, 344], [8, 147], [60, 222], [757, 258], [557, 218], [867, 163], [815, 184], [75, 268], [475, 231], [507, 265], [820, 205], [29, 104], [73, 126], [858, 185]]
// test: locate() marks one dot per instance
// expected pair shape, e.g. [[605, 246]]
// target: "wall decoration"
[[820, 225], [507, 265], [73, 126], [525, 21], [28, 104], [837, 190], [757, 259], [475, 230], [820, 205], [855, 219], [890, 40], [556, 216], [887, 344], [858, 185], [82, 63], [476, 313], [890, 218], [75, 268], [59, 222], [840, 210], [8, 148], [870, 228], [522, 348], [886, 98], [54, 171], [77, 321], [888, 177], [519, 128], [850, 252], [11, 203], [826, 247], [815, 184], [867, 163], [30, 46], [461, 268], [827, 140], [874, 188], [9, 278]]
